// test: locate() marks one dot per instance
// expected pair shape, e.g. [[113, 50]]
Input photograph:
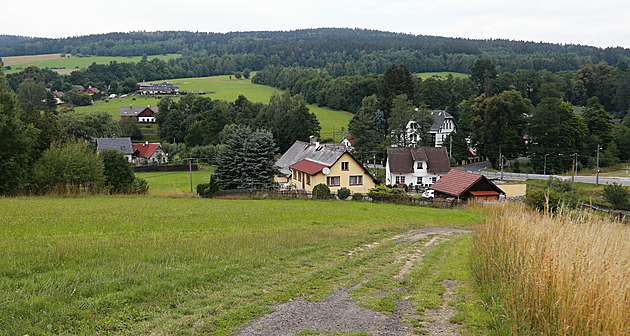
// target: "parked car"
[[429, 193]]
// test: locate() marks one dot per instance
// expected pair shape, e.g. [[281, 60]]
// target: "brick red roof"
[[145, 150], [455, 182], [308, 166]]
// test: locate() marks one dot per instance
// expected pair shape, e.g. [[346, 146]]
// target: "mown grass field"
[[224, 88], [425, 75], [70, 63], [173, 183], [142, 265]]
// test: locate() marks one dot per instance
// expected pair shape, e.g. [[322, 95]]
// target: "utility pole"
[[501, 161], [574, 169], [597, 167], [545, 165], [450, 149], [374, 167], [190, 174]]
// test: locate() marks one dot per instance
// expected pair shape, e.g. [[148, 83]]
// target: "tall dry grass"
[[554, 274]]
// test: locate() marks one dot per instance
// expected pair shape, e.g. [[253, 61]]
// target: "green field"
[[147, 265], [221, 87], [442, 75], [166, 183], [67, 65]]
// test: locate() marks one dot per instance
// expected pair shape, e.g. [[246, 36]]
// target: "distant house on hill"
[[143, 114], [162, 88], [58, 95], [306, 164], [146, 153], [78, 87], [416, 167], [463, 185], [443, 125], [90, 90], [122, 145], [144, 85]]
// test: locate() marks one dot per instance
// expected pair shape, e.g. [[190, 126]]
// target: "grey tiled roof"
[[439, 116], [132, 111], [120, 144], [326, 154]]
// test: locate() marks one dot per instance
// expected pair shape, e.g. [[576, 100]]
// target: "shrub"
[[542, 199], [140, 186], [385, 194], [321, 191], [357, 197], [210, 188], [119, 176], [343, 193], [617, 195]]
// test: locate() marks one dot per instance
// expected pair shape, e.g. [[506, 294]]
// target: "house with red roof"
[[148, 153], [463, 185], [307, 164]]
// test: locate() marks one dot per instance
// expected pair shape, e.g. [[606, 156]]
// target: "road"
[[476, 169]]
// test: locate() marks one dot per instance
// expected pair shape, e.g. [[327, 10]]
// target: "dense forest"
[[343, 51]]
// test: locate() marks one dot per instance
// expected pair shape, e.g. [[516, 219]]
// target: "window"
[[356, 180], [419, 165], [308, 179], [433, 179], [400, 180], [333, 181], [344, 166], [419, 180]]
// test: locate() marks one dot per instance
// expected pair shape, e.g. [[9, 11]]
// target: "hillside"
[[370, 51]]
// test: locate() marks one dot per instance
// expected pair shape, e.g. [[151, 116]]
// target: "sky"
[[602, 23]]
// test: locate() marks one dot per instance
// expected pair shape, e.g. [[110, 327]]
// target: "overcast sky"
[[601, 23]]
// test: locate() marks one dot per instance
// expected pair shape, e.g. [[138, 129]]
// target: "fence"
[[168, 168], [623, 216]]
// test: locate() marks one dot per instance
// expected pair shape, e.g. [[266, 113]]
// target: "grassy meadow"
[[222, 87], [442, 75], [65, 65], [154, 265], [554, 274], [174, 183]]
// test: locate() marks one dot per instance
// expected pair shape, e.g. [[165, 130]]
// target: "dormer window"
[[419, 165]]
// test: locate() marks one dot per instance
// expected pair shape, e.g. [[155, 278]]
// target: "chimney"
[[313, 141]]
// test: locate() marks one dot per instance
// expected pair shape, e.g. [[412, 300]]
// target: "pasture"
[[222, 87], [65, 65], [174, 183], [154, 265], [441, 75]]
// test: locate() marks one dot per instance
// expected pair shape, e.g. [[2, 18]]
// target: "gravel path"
[[339, 313]]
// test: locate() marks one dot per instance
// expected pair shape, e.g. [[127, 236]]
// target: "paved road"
[[522, 177]]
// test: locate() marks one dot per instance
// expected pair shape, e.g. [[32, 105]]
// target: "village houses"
[[416, 167], [443, 125]]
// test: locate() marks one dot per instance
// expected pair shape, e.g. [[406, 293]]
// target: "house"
[[91, 91], [143, 114], [58, 95], [443, 125], [416, 167], [143, 85], [147, 153], [78, 87], [307, 164], [162, 88], [463, 185], [122, 145], [348, 142]]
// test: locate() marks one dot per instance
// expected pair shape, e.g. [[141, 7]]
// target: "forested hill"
[[8, 40], [366, 51]]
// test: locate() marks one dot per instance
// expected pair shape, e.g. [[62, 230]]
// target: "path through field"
[[342, 312]]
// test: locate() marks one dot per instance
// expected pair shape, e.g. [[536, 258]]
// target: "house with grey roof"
[[143, 114], [443, 125], [162, 88], [122, 145], [416, 167]]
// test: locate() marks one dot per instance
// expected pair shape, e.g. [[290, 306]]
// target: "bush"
[[343, 193], [210, 188], [357, 197], [542, 199], [140, 186], [385, 194], [119, 176], [321, 191], [617, 195]]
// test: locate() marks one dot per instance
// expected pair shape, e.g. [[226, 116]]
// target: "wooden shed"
[[463, 185]]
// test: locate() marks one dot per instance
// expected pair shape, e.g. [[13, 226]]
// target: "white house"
[[443, 126], [148, 153], [416, 167]]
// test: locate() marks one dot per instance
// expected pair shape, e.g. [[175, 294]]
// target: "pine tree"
[[247, 160]]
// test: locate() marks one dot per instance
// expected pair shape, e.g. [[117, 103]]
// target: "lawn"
[[68, 64], [147, 265], [222, 87], [442, 75], [168, 183]]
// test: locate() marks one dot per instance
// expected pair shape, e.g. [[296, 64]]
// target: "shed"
[[463, 185]]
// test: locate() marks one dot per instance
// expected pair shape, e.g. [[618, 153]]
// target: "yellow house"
[[307, 164]]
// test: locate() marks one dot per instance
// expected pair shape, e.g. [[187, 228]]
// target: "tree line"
[[341, 51]]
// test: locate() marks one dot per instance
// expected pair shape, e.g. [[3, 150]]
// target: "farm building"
[[143, 114], [307, 164], [463, 185], [147, 153], [162, 88]]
